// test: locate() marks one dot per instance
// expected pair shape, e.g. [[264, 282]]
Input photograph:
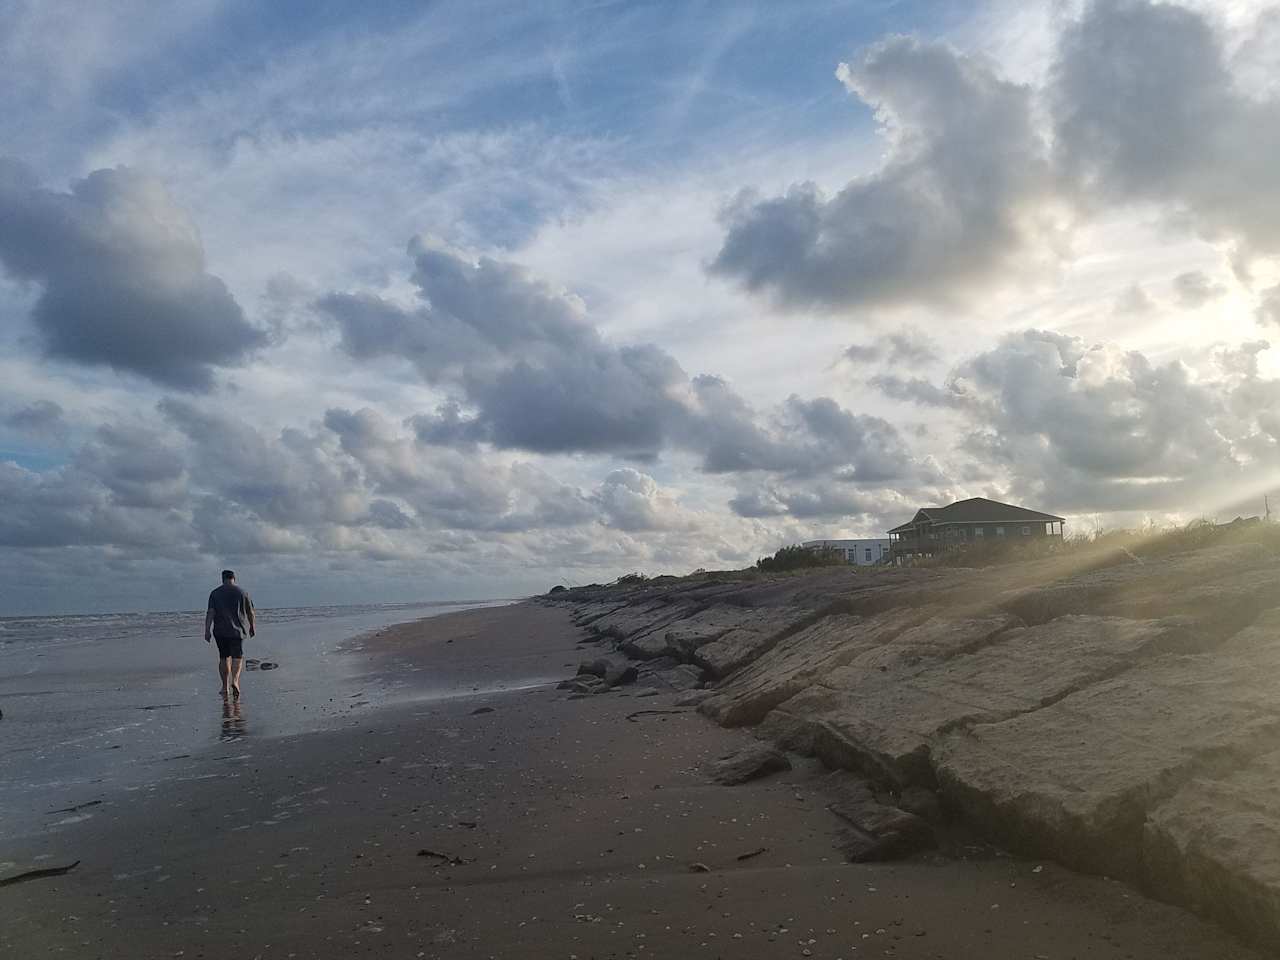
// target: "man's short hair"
[[228, 574]]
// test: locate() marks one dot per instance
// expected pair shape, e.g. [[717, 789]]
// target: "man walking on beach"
[[229, 618]]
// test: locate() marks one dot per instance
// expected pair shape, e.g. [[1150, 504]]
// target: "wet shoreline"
[[94, 716]]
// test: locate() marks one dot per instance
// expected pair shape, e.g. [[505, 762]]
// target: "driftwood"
[[78, 806], [38, 874]]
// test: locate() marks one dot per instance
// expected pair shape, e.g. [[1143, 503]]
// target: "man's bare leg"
[[224, 671], [237, 664]]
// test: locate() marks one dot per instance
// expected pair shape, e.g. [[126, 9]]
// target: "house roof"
[[978, 510]]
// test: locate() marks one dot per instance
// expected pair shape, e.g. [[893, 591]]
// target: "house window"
[[979, 531], [1026, 531], [868, 554], [999, 531]]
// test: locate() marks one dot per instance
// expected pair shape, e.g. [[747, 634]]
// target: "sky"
[[456, 300]]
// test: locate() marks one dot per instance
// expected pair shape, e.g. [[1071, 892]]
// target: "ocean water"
[[102, 703]]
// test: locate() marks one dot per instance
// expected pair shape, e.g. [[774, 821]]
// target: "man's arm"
[[253, 623], [208, 623]]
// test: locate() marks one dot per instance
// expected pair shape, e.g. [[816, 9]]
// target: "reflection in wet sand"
[[233, 722]]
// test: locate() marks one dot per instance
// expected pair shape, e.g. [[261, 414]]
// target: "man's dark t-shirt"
[[231, 607]]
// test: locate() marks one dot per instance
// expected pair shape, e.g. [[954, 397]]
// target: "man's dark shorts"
[[232, 647]]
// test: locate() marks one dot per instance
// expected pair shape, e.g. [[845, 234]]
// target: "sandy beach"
[[489, 815]]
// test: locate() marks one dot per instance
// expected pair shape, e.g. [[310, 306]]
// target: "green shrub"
[[797, 557]]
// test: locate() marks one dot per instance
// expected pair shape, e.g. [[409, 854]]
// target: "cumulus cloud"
[[824, 500], [136, 466], [1140, 107], [959, 200], [357, 485], [633, 501], [1269, 306], [122, 277], [1090, 426], [1146, 109], [531, 372], [69, 507], [539, 376], [894, 348], [1134, 301], [43, 418], [1196, 288]]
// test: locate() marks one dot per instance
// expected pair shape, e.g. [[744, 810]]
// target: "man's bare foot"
[[235, 692]]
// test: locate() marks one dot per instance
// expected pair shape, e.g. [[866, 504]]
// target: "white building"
[[861, 552]]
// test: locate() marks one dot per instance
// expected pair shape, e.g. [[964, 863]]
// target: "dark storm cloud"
[[947, 211], [122, 277], [530, 372]]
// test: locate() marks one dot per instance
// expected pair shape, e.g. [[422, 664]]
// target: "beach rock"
[[876, 831], [800, 659], [1113, 711], [749, 763], [479, 710], [612, 670], [587, 684], [593, 668], [1221, 588], [884, 712], [1216, 843], [620, 675], [586, 614], [632, 620], [921, 801], [699, 626], [753, 634], [669, 674], [737, 648], [1078, 779], [693, 698], [267, 665]]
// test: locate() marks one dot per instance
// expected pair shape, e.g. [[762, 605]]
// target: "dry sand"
[[574, 830]]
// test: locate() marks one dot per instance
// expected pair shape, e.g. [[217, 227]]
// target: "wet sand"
[[563, 829]]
